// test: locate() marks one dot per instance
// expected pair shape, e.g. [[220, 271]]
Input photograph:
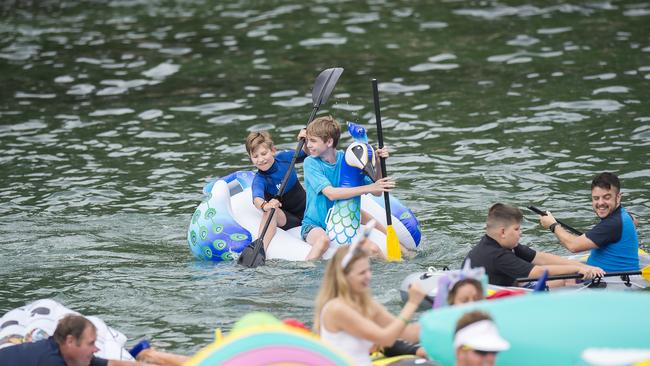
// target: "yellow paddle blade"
[[645, 273], [642, 252], [218, 336], [394, 253]]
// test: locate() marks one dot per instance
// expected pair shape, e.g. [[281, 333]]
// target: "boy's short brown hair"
[[255, 139], [325, 128], [501, 214]]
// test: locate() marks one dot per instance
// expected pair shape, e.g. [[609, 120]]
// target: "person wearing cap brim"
[[477, 340]]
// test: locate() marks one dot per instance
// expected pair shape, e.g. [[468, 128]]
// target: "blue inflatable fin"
[[541, 282]]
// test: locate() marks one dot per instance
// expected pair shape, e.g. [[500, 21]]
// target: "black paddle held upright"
[[254, 255], [393, 251]]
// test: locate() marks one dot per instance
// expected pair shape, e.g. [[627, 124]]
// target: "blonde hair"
[[335, 285], [256, 139], [325, 128]]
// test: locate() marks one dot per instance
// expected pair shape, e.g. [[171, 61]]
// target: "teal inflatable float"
[[548, 328]]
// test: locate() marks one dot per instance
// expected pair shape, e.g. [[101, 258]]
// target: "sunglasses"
[[479, 352]]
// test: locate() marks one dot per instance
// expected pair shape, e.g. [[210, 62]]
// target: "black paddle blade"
[[253, 255], [325, 83]]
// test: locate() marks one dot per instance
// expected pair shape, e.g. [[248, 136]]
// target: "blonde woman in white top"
[[349, 318]]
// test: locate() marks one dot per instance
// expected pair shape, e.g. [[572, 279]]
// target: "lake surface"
[[114, 114]]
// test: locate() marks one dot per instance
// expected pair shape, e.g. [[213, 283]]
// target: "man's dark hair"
[[503, 214], [71, 324], [606, 180]]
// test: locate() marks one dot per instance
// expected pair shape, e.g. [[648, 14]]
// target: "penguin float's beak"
[[369, 168], [362, 157]]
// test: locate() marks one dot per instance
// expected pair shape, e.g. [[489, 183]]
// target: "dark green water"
[[114, 114]]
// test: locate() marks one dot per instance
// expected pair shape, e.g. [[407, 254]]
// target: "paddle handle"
[[579, 275], [566, 226], [285, 179], [317, 103], [380, 139]]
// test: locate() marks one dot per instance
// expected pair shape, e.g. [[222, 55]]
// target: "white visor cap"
[[481, 336]]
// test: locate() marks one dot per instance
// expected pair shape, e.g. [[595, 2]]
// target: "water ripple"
[[500, 11], [433, 25], [210, 108], [231, 118], [523, 40], [604, 105], [605, 76], [326, 39], [150, 114], [523, 56], [294, 102], [81, 89], [111, 112], [23, 95], [19, 52], [361, 18], [162, 71], [401, 88], [612, 89]]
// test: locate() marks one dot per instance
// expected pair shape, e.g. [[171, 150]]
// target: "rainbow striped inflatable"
[[259, 339]]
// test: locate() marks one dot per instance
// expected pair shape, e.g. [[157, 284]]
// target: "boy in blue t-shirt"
[[272, 166], [321, 170]]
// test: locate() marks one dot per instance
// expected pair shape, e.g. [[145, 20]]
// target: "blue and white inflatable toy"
[[214, 233], [226, 221], [344, 218]]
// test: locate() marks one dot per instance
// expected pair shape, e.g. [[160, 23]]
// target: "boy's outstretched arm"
[[340, 193]]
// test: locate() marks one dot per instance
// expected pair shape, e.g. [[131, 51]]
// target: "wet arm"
[[352, 322], [341, 193], [412, 331], [542, 258], [575, 244]]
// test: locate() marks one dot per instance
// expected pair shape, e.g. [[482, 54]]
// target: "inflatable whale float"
[[38, 320], [227, 221]]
